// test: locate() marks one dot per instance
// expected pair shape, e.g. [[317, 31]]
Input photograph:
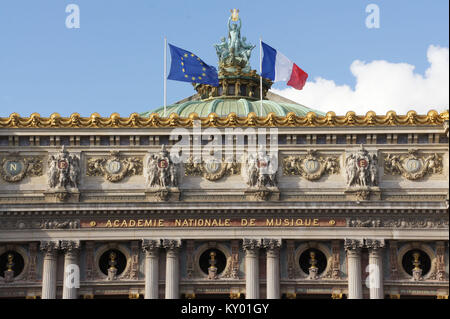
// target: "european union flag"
[[188, 67]]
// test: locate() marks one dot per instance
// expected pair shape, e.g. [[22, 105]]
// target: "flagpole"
[[165, 75], [260, 77]]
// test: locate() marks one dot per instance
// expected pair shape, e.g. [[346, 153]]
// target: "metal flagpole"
[[260, 77], [165, 75]]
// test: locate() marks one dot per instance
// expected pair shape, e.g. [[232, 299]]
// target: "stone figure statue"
[[258, 171], [63, 170], [361, 169], [161, 171]]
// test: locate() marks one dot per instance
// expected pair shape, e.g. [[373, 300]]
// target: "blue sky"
[[114, 61]]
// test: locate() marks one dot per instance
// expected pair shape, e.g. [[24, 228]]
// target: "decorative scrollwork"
[[14, 168], [115, 168], [310, 166], [211, 170], [411, 165]]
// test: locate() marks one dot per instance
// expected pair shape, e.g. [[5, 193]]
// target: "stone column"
[[376, 268], [273, 267], [71, 269], [172, 268], [151, 249], [251, 248], [50, 250], [353, 249]]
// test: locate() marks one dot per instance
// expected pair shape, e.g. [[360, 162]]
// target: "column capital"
[[171, 244], [272, 246], [271, 243], [151, 247], [353, 246], [49, 247], [251, 244], [374, 245], [70, 247]]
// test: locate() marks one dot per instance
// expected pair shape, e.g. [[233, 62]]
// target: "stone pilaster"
[[151, 249], [272, 247], [172, 268], [50, 250], [376, 268], [353, 249], [71, 269], [251, 248]]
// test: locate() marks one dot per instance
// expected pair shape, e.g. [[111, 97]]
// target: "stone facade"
[[362, 194]]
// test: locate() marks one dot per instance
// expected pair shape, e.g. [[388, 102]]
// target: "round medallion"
[[212, 166], [13, 167], [311, 166], [362, 162], [412, 165], [63, 164], [163, 163], [261, 163], [113, 166]]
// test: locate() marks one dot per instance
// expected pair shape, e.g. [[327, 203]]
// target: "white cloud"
[[381, 86]]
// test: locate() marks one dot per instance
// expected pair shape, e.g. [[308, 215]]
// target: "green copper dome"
[[242, 107]]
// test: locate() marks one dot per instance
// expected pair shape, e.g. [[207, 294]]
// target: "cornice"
[[350, 119]]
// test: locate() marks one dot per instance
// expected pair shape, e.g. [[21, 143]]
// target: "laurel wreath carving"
[[296, 165], [128, 166], [31, 166]]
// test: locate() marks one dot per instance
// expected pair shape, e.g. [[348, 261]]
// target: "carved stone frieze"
[[115, 168], [60, 224], [363, 222], [14, 168], [310, 166], [413, 166], [416, 223], [211, 169]]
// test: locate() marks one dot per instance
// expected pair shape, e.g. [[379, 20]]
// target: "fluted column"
[[151, 249], [71, 269], [273, 267], [353, 249], [50, 250], [251, 248], [172, 268], [375, 279]]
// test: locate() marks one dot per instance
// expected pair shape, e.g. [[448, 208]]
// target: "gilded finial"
[[234, 14], [212, 261], [112, 260], [10, 263], [313, 260], [416, 261]]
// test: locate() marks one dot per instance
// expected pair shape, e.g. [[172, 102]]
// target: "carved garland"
[[115, 168], [310, 166], [212, 170], [412, 166], [15, 168]]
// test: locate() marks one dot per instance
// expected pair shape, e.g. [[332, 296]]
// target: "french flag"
[[277, 67]]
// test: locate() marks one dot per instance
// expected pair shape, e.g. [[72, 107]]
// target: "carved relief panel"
[[311, 166], [413, 166], [115, 168]]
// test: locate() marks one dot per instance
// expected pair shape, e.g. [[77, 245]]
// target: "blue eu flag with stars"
[[188, 67]]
